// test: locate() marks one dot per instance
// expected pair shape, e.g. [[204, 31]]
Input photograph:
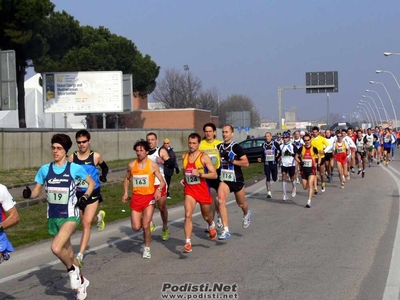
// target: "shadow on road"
[[4, 296]]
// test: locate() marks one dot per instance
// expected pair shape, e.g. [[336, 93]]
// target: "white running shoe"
[[247, 219], [308, 203], [293, 193], [269, 195], [342, 185], [100, 220], [219, 222], [298, 180], [75, 278], [224, 235], [285, 198], [82, 293], [146, 252]]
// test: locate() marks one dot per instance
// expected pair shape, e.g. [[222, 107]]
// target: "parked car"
[[253, 148]]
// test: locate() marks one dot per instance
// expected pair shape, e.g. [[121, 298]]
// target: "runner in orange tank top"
[[142, 173], [196, 189]]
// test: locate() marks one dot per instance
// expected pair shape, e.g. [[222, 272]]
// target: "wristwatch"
[[1, 227], [160, 189], [86, 195]]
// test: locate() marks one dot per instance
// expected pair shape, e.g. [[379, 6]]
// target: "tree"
[[239, 103], [178, 90], [21, 27], [209, 100]]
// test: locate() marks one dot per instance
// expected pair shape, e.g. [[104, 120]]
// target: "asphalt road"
[[346, 246]]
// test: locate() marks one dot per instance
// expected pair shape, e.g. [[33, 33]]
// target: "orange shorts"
[[140, 202], [164, 191]]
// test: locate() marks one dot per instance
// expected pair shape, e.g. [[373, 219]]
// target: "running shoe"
[[323, 187], [348, 177], [377, 162], [352, 170], [152, 226], [224, 235], [5, 256], [316, 191], [247, 219], [308, 205], [363, 174], [207, 230], [169, 198], [187, 248], [165, 234], [369, 165], [82, 293], [219, 222], [146, 252], [100, 220], [213, 234], [293, 193], [298, 180], [359, 172], [269, 195], [75, 278], [79, 258], [342, 185], [285, 198]]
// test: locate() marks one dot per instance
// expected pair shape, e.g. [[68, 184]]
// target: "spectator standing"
[[168, 172]]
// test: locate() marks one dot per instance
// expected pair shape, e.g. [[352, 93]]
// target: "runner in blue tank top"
[[89, 160], [60, 179]]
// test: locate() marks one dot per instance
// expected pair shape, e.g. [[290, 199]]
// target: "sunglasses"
[[82, 142]]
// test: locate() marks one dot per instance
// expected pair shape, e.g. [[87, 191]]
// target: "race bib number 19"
[[57, 195]]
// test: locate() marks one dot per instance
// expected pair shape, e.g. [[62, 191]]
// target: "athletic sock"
[[284, 187], [188, 241], [71, 269]]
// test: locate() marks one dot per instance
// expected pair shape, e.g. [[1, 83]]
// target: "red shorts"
[[164, 191], [140, 202], [341, 158], [201, 199]]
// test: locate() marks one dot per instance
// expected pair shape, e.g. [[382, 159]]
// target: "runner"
[[60, 179], [361, 144], [209, 146], [308, 158], [272, 153], [371, 139], [197, 167], [377, 145], [352, 135], [349, 145], [393, 148], [329, 161], [143, 172], [89, 160], [320, 143], [298, 143], [388, 140], [160, 156], [341, 152], [287, 164], [7, 206], [232, 180]]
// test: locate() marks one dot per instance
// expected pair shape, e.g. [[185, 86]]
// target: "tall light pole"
[[370, 113], [372, 110], [365, 111], [376, 106], [390, 98], [394, 77], [383, 106]]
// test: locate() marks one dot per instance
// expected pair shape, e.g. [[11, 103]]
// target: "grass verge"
[[33, 224]]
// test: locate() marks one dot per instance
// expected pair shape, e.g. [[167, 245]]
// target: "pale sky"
[[253, 47]]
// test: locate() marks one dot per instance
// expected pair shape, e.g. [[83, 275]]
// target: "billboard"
[[83, 92], [322, 82]]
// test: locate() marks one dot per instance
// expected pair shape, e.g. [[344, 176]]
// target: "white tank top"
[[153, 157]]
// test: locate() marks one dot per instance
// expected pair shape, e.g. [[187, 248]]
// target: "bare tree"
[[209, 100], [177, 89], [239, 103]]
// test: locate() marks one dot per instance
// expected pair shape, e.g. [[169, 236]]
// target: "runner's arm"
[[211, 174]]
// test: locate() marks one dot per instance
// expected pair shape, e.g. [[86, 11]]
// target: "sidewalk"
[[114, 176]]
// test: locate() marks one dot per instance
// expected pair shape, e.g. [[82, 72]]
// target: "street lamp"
[[390, 53], [390, 98], [394, 77], [369, 111], [383, 106], [376, 106], [372, 110], [369, 120]]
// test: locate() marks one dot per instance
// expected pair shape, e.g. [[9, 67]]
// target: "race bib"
[[82, 184], [360, 148], [213, 159], [307, 163], [227, 175], [58, 195], [339, 150], [140, 180], [386, 140], [191, 179], [269, 155]]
